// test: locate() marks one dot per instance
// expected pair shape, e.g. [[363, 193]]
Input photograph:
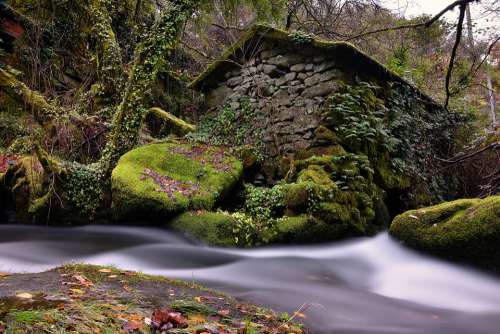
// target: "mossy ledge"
[[170, 178], [87, 299], [463, 230]]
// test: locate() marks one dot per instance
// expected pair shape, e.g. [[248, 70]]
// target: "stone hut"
[[287, 77]]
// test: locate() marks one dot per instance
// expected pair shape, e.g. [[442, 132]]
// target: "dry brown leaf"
[[300, 314], [82, 280], [105, 270]]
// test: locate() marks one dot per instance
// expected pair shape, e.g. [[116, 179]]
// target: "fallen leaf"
[[24, 295], [133, 326], [2, 275], [104, 270], [112, 276], [97, 331], [197, 319], [167, 318], [198, 299], [129, 273], [83, 280], [300, 314], [119, 307]]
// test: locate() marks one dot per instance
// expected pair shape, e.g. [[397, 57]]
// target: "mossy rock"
[[169, 178], [214, 228], [25, 182], [464, 230]]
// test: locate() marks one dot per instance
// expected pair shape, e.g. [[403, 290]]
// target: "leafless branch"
[[425, 24]]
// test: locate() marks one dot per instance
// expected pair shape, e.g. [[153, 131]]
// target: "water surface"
[[366, 285]]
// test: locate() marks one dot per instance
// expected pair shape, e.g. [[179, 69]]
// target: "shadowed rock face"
[[369, 285]]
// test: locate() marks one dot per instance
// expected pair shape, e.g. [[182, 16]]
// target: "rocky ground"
[[89, 299]]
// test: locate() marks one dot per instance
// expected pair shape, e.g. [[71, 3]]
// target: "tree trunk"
[[490, 91], [491, 99], [151, 56], [32, 101]]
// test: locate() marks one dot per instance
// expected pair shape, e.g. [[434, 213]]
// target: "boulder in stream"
[[169, 178], [464, 230]]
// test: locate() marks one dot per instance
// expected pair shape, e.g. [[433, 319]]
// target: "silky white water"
[[366, 285]]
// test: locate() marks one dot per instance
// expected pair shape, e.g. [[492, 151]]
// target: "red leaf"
[[133, 326], [165, 316]]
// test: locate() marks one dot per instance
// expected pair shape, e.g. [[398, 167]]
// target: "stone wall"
[[287, 89]]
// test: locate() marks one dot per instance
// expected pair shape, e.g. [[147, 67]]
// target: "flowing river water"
[[366, 285]]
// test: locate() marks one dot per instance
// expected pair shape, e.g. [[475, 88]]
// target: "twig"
[[458, 37], [425, 24], [459, 158]]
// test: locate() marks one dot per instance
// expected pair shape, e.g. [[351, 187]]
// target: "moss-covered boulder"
[[169, 178], [465, 230], [214, 228]]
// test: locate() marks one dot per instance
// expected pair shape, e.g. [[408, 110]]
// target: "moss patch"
[[215, 228], [171, 178], [466, 229]]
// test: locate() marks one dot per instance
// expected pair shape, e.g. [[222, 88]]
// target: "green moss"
[[466, 229], [215, 228], [192, 307], [175, 124], [26, 317], [325, 136], [317, 175], [329, 150], [170, 178], [297, 196], [389, 178]]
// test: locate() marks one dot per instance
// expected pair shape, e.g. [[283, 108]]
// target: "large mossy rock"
[[169, 178], [464, 230]]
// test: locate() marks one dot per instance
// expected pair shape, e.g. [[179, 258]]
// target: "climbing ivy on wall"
[[400, 134]]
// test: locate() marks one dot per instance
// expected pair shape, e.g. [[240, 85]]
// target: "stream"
[[365, 285]]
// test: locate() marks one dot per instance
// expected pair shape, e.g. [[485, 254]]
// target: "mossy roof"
[[214, 73]]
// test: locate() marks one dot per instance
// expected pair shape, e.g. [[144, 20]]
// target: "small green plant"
[[300, 38], [231, 127], [84, 188], [263, 203]]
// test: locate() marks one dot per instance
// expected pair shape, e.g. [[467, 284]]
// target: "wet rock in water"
[[215, 228], [169, 178], [465, 229]]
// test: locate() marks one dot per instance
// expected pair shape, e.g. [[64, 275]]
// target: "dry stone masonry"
[[285, 80], [287, 91]]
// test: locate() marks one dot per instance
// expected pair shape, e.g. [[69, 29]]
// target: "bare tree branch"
[[458, 37], [425, 24]]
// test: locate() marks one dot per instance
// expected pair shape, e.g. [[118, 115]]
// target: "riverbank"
[[87, 299]]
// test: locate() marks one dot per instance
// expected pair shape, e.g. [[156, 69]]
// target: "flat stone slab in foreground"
[[87, 299]]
